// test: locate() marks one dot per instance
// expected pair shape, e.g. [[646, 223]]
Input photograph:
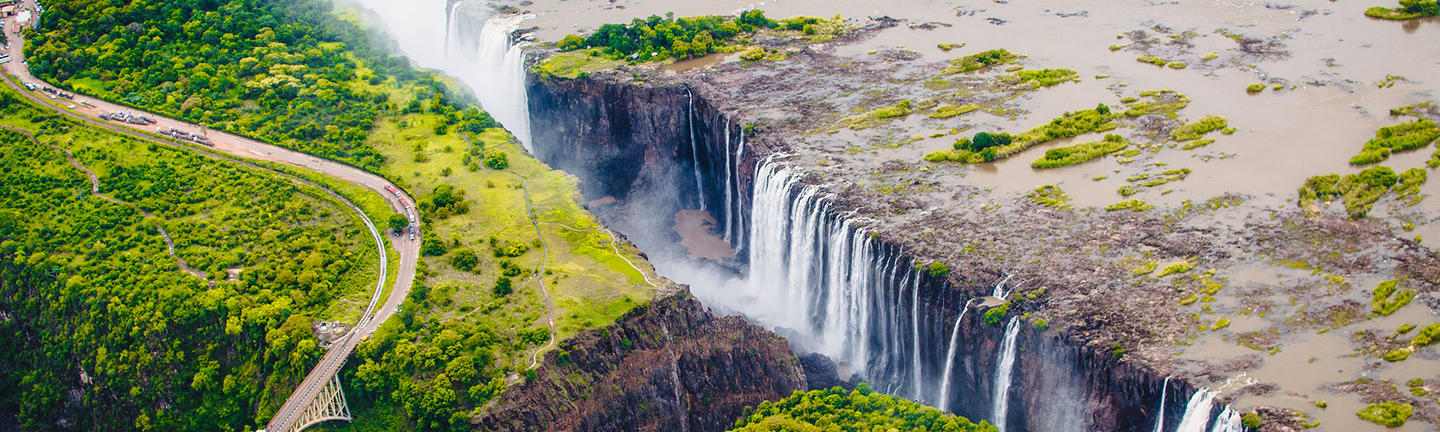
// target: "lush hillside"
[[858, 410], [285, 72], [101, 328]]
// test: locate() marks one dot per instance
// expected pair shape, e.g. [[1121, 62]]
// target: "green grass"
[[878, 116], [948, 111], [1050, 196], [1130, 204], [1388, 298], [1397, 138], [574, 64], [1152, 60], [1255, 88], [1197, 129], [978, 61], [1177, 267], [1037, 78], [590, 284], [1388, 414], [1080, 153], [1098, 119]]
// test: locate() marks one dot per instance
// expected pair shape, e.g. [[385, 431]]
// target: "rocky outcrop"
[[670, 366]]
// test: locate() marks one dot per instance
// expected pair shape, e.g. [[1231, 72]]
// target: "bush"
[[463, 259], [1255, 88], [1040, 324], [1388, 414], [1222, 323], [1038, 78], [996, 314], [502, 286], [753, 54], [570, 43], [979, 61], [496, 160], [1250, 421], [1152, 60], [938, 270]]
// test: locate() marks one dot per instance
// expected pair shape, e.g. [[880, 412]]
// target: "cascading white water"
[[1197, 411], [1160, 415], [1228, 421], [729, 217], [733, 216], [1003, 369], [950, 358], [1000, 290], [694, 150], [495, 71], [915, 335]]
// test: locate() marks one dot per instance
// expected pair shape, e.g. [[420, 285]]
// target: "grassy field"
[[589, 283]]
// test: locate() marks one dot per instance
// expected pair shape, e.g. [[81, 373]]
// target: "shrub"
[[1040, 324], [1178, 65], [1152, 60], [753, 54], [570, 43], [938, 270], [503, 286], [995, 315], [1255, 88], [463, 259], [496, 160], [1038, 78], [1390, 414], [1250, 421], [1222, 323]]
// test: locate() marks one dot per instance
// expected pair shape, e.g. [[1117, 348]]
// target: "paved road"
[[408, 249]]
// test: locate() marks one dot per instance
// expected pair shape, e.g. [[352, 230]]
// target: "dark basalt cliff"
[[642, 143], [671, 366]]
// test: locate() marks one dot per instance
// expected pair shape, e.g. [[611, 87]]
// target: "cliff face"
[[645, 144], [671, 366]]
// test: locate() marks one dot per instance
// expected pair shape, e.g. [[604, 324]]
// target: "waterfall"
[[915, 334], [999, 291], [1228, 421], [735, 171], [1003, 368], [950, 359], [495, 72], [1160, 415], [1197, 412], [694, 150], [729, 217]]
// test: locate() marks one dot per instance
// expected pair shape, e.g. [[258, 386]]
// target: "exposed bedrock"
[[671, 366], [860, 298]]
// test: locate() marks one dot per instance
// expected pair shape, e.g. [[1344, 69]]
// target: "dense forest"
[[100, 327], [859, 410], [285, 72]]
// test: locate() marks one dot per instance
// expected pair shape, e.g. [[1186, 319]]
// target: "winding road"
[[17, 73]]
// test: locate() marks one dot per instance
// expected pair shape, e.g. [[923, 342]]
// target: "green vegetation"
[[1428, 335], [1255, 88], [948, 111], [980, 60], [1145, 268], [1408, 189], [1220, 324], [949, 46], [938, 270], [1397, 138], [995, 315], [95, 303], [1250, 421], [859, 410], [659, 38], [1152, 60], [576, 64], [1197, 129], [1040, 324], [1409, 9], [1080, 153], [1164, 102], [1360, 191], [1389, 414], [1388, 298], [287, 73], [1130, 204], [986, 147], [1177, 267], [1050, 196], [1037, 78], [878, 116]]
